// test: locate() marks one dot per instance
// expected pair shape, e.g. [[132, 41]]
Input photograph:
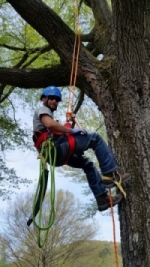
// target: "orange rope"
[[114, 231], [75, 60]]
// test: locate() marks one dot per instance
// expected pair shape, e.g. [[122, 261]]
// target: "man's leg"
[[93, 176], [95, 181], [103, 153], [62, 147], [104, 156]]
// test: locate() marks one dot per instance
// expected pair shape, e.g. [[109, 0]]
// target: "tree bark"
[[132, 146]]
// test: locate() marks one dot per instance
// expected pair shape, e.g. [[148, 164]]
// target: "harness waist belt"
[[43, 137]]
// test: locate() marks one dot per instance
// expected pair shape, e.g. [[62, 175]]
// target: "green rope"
[[48, 149]]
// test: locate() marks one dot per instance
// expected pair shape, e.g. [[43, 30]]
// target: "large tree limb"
[[57, 75], [35, 78]]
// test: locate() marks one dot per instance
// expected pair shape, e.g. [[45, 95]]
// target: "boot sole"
[[109, 186]]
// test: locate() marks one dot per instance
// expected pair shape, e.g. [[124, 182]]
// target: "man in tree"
[[43, 123]]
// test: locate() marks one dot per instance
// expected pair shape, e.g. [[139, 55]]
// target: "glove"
[[78, 131]]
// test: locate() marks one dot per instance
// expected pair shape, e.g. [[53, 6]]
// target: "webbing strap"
[[117, 183], [71, 141]]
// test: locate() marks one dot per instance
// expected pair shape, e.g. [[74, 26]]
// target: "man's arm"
[[53, 125]]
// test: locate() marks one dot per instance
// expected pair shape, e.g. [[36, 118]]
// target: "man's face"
[[51, 102]]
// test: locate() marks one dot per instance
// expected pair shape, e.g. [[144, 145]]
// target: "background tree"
[[3, 257], [67, 238], [118, 84]]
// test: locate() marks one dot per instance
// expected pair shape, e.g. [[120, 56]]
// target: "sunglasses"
[[56, 98]]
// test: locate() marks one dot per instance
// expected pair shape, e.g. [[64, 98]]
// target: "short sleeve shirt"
[[37, 123]]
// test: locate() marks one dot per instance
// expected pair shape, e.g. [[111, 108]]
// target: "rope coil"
[[48, 149]]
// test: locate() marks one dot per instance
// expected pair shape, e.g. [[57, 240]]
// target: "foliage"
[[66, 240], [3, 264], [11, 135], [9, 180], [102, 254]]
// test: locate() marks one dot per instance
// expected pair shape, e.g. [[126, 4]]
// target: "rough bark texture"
[[119, 85], [132, 144], [133, 112]]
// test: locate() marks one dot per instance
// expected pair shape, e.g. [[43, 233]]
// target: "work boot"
[[110, 179], [104, 201]]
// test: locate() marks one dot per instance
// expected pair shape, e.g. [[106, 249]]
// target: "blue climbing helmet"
[[51, 91]]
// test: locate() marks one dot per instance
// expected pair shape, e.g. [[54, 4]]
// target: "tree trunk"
[[129, 131]]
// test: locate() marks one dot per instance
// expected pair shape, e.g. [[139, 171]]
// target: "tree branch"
[[80, 101], [101, 33], [20, 65], [35, 78], [28, 50], [101, 11], [87, 37], [13, 47]]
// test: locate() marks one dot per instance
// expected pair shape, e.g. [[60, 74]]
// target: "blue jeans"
[[103, 153]]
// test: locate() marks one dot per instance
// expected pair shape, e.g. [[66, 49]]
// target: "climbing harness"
[[71, 141], [47, 154]]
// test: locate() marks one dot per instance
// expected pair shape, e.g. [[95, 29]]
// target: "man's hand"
[[78, 131]]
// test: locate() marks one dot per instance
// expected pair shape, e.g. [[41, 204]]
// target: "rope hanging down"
[[114, 231], [48, 154], [74, 69]]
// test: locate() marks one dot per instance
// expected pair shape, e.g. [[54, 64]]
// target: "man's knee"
[[88, 165]]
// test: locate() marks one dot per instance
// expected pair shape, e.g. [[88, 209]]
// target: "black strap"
[[37, 134]]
